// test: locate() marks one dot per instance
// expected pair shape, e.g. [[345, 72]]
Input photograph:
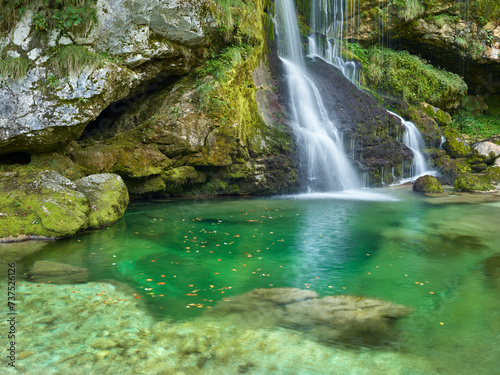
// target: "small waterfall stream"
[[413, 139]]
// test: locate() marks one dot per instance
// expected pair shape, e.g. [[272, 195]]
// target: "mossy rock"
[[46, 204], [427, 184], [472, 183], [107, 196], [453, 145], [493, 175], [441, 117], [480, 167], [177, 177], [145, 186], [131, 160]]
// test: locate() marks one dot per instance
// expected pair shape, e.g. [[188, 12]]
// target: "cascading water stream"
[[328, 168], [414, 141], [330, 23]]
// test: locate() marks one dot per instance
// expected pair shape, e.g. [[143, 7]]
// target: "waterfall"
[[327, 167], [330, 24], [413, 139]]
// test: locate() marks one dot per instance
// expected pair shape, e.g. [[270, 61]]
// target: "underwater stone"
[[344, 318], [58, 273]]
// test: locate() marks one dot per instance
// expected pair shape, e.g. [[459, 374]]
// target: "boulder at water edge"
[[46, 204], [427, 184]]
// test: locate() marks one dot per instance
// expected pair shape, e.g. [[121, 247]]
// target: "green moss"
[[126, 158], [472, 183], [31, 209], [493, 175], [107, 199], [145, 186], [409, 77], [427, 184], [453, 146]]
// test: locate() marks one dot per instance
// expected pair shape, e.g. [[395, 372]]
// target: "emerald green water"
[[184, 256]]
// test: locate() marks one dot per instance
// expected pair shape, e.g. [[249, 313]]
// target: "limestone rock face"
[[333, 318], [427, 184], [131, 44], [141, 30], [57, 273], [34, 120], [46, 204]]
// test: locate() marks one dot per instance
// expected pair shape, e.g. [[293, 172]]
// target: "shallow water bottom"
[[97, 329]]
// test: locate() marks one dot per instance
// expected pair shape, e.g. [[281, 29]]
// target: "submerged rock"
[[427, 184], [333, 318], [491, 269], [57, 273]]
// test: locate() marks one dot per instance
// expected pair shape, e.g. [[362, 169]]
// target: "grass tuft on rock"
[[13, 67]]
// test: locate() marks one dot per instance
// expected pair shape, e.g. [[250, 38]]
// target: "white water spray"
[[414, 141], [327, 166]]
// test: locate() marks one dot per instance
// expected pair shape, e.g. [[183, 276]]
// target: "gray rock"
[[487, 149], [35, 119], [57, 273]]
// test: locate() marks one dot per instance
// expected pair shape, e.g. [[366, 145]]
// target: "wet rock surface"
[[370, 132], [343, 318]]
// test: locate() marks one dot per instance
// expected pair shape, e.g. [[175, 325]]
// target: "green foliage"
[[75, 16], [221, 62], [476, 126], [71, 60], [233, 18], [407, 76], [52, 81], [13, 67], [68, 16], [408, 9]]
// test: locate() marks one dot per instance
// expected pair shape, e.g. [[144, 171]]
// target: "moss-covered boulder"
[[454, 146], [471, 183], [427, 184], [493, 175], [442, 118], [46, 204], [107, 196]]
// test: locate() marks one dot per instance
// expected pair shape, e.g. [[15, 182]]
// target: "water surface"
[[182, 257]]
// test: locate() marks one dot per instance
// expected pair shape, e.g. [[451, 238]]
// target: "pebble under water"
[[158, 272]]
